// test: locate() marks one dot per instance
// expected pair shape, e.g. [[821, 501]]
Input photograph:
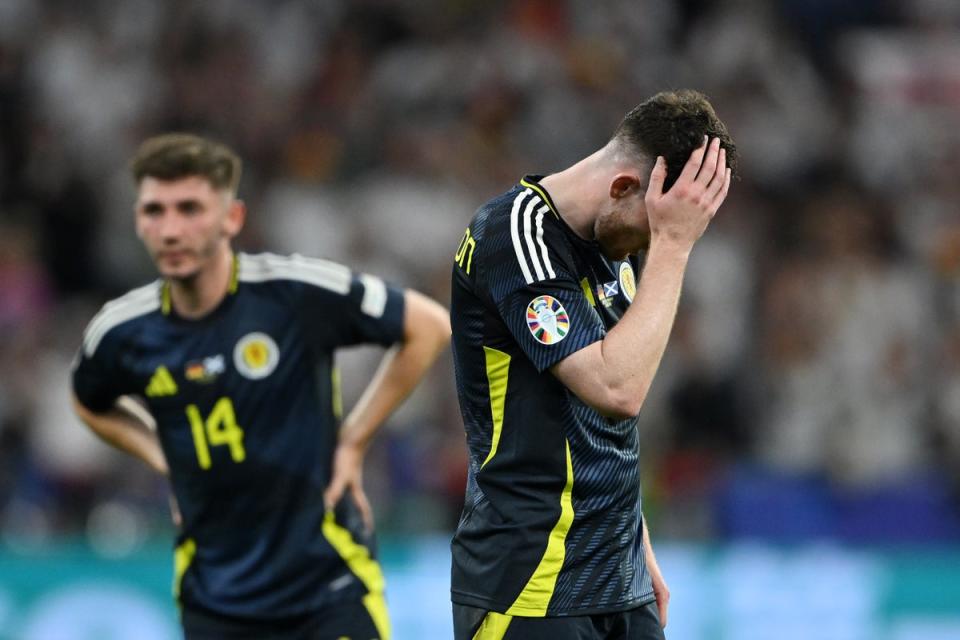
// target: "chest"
[[245, 348], [609, 286]]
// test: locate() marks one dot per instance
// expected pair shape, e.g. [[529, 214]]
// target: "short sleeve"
[[367, 311], [96, 379], [550, 320], [529, 272]]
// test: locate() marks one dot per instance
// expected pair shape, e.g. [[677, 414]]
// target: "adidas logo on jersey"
[[161, 384]]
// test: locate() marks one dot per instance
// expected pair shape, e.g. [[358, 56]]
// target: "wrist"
[[670, 249], [350, 440]]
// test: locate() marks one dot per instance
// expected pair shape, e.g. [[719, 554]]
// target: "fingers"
[[690, 170], [662, 595], [709, 165], [722, 195], [662, 611], [366, 512], [335, 492], [657, 176], [717, 176], [175, 512]]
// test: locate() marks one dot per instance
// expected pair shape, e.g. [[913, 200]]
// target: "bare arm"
[[426, 331], [127, 431], [660, 590], [613, 375]]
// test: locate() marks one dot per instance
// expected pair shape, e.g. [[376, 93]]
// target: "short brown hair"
[[172, 156], [672, 124]]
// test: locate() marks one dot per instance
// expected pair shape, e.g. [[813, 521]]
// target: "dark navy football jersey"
[[552, 521], [247, 412]]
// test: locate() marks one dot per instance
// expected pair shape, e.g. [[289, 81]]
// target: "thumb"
[[657, 176]]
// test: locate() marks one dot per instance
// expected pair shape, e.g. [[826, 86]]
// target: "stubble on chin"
[[178, 273], [621, 246]]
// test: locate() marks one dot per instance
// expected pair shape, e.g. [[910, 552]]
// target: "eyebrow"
[[157, 205]]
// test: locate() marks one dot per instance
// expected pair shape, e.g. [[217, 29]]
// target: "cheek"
[[144, 229], [212, 232], [638, 216]]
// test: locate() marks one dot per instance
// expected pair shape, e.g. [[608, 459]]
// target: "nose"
[[171, 228]]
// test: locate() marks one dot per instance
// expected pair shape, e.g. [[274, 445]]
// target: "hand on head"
[[682, 213]]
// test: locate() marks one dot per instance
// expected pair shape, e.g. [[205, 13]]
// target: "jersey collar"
[[166, 302], [533, 182]]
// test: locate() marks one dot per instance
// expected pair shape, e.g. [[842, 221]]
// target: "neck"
[[579, 191], [197, 296]]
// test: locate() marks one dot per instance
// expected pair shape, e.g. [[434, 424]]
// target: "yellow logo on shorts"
[[256, 355], [628, 281]]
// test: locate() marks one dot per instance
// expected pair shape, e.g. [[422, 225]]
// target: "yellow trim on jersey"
[[182, 557], [540, 192], [234, 274], [588, 292], [493, 627], [536, 595], [498, 368], [165, 301], [358, 560], [337, 392]]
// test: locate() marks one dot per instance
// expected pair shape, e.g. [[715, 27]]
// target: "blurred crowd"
[[812, 384]]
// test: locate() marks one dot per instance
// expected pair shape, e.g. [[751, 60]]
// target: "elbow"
[[437, 327], [85, 415], [442, 324], [622, 404], [428, 324]]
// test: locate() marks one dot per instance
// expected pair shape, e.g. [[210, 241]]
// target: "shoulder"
[[522, 237], [315, 272], [119, 311]]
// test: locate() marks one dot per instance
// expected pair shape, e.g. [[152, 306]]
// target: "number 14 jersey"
[[247, 410]]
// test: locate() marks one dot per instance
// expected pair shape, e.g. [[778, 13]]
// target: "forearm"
[[613, 375], [427, 331], [125, 432], [648, 548], [394, 380], [631, 352], [660, 589]]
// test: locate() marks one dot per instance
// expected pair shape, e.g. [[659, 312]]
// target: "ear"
[[623, 185], [236, 216]]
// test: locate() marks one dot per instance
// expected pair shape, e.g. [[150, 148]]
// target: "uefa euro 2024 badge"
[[547, 320]]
